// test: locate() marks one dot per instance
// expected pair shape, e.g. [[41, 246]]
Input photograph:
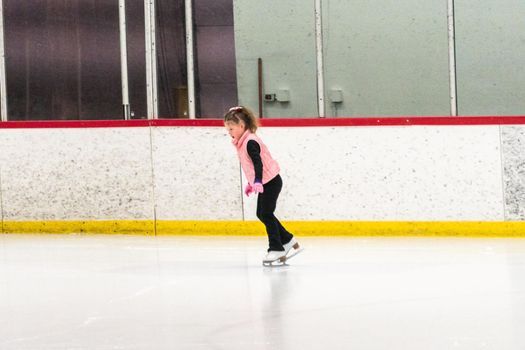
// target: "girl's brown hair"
[[236, 114]]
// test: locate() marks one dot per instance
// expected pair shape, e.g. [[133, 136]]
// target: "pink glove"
[[248, 190], [257, 187]]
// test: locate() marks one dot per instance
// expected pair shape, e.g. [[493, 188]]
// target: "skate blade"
[[275, 264], [279, 262]]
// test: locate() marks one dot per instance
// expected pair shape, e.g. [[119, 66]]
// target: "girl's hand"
[[248, 190], [257, 187]]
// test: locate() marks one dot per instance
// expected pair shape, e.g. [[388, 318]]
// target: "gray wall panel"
[[490, 42], [282, 34], [389, 58]]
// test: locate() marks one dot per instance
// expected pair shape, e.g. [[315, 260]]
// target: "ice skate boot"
[[292, 248], [274, 257]]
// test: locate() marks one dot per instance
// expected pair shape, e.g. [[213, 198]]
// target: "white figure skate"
[[279, 258], [292, 248], [274, 257]]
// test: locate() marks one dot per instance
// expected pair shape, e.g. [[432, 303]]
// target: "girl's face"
[[235, 130]]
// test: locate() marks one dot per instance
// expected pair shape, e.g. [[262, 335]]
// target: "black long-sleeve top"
[[254, 151]]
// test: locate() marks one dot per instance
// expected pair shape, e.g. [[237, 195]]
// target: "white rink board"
[[76, 174], [196, 174], [422, 173]]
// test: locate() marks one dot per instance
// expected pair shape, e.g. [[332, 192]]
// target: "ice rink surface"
[[136, 292]]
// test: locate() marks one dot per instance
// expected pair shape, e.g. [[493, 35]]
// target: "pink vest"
[[270, 166]]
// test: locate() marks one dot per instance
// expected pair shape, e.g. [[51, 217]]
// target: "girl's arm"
[[254, 151]]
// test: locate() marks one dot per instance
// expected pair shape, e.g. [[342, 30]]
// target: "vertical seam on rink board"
[[1, 205], [242, 192], [152, 180], [501, 159]]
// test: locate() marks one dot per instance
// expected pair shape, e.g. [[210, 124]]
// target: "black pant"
[[266, 203]]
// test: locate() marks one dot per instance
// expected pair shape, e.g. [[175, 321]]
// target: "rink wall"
[[392, 176]]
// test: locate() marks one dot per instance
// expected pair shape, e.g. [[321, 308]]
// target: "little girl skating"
[[262, 173]]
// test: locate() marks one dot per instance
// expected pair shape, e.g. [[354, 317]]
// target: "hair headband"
[[235, 109]]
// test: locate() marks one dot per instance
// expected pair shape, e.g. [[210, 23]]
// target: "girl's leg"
[[284, 234], [266, 203]]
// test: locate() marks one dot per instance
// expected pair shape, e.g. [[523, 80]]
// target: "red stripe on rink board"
[[108, 123], [289, 122]]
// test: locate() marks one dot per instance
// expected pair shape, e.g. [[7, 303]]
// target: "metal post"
[[147, 46], [3, 84], [154, 72], [124, 58], [319, 50], [190, 58], [260, 85], [452, 58], [151, 59]]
